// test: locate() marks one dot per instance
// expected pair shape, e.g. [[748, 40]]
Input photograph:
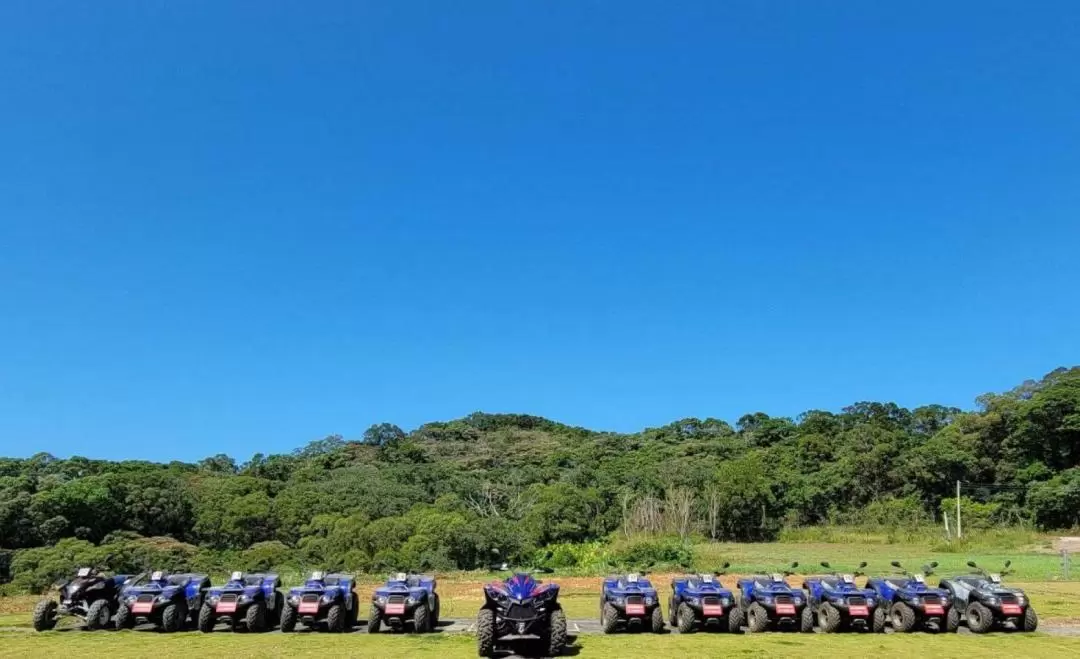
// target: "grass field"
[[139, 644]]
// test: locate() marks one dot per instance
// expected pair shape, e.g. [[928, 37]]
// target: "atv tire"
[[421, 619], [194, 613], [952, 620], [556, 633], [206, 619], [255, 617], [734, 620], [657, 626], [757, 618], [1031, 620], [44, 615], [97, 616], [877, 623], [485, 633], [288, 617], [686, 619], [279, 604], [979, 618], [335, 619], [374, 620], [806, 620], [828, 618], [172, 618], [124, 619], [609, 618], [902, 618]]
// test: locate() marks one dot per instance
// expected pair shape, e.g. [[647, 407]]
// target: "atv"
[[90, 597], [631, 602], [910, 602], [769, 600], [520, 607], [405, 599], [701, 600], [324, 598], [987, 603], [253, 601], [167, 601], [840, 604]]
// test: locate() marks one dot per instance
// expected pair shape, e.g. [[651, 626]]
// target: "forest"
[[448, 495]]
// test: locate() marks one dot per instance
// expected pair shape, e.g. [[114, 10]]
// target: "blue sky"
[[237, 227]]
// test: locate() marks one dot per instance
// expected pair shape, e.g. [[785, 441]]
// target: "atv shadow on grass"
[[533, 648]]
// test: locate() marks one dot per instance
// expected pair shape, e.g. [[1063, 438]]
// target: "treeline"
[[447, 494]]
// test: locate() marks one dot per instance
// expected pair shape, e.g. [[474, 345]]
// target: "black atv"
[[986, 603], [91, 597]]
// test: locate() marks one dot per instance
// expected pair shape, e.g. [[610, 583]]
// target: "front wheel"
[[902, 618], [952, 620], [828, 618], [44, 615], [757, 618], [374, 620], [657, 620], [255, 617], [686, 619], [806, 620], [1031, 620], [288, 617], [206, 618], [97, 616], [979, 618], [485, 633], [172, 618], [421, 619], [335, 619], [734, 620], [124, 619], [556, 633], [877, 624]]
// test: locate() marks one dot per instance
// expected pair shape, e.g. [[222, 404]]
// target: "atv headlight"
[[725, 601], [162, 598], [410, 600], [649, 601], [797, 598], [381, 599], [1020, 600], [328, 597], [694, 601]]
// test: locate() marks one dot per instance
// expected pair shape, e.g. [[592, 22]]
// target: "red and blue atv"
[[251, 601], [986, 602], [521, 608], [910, 602], [324, 601], [700, 600], [768, 601], [167, 601], [91, 597], [630, 602], [405, 600], [841, 605]]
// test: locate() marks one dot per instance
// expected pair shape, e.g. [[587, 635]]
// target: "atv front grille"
[[145, 598], [309, 598], [520, 612], [931, 599], [396, 599], [1009, 599], [856, 601], [635, 599], [784, 599], [710, 601], [228, 597]]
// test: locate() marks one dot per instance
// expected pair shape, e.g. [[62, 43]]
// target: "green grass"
[[141, 644]]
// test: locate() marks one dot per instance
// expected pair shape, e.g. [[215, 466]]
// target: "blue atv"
[[521, 607], [910, 602], [768, 601], [701, 600], [91, 597], [324, 600], [167, 601], [841, 605], [405, 599], [630, 602], [252, 601]]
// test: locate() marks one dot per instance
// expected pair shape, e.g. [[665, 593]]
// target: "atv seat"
[[253, 581], [179, 580], [332, 581]]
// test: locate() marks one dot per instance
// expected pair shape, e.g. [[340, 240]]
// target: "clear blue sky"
[[238, 227]]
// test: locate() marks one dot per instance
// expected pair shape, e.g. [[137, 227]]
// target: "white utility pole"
[[959, 534]]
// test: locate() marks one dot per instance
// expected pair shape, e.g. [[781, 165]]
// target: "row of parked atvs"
[[522, 607]]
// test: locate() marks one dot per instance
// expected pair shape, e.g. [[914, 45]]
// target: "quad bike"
[[700, 601], [841, 605], [170, 602], [405, 600], [911, 603], [986, 603], [251, 601], [520, 607], [90, 596], [768, 600], [324, 601]]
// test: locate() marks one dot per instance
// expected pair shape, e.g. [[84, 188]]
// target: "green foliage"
[[513, 487]]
